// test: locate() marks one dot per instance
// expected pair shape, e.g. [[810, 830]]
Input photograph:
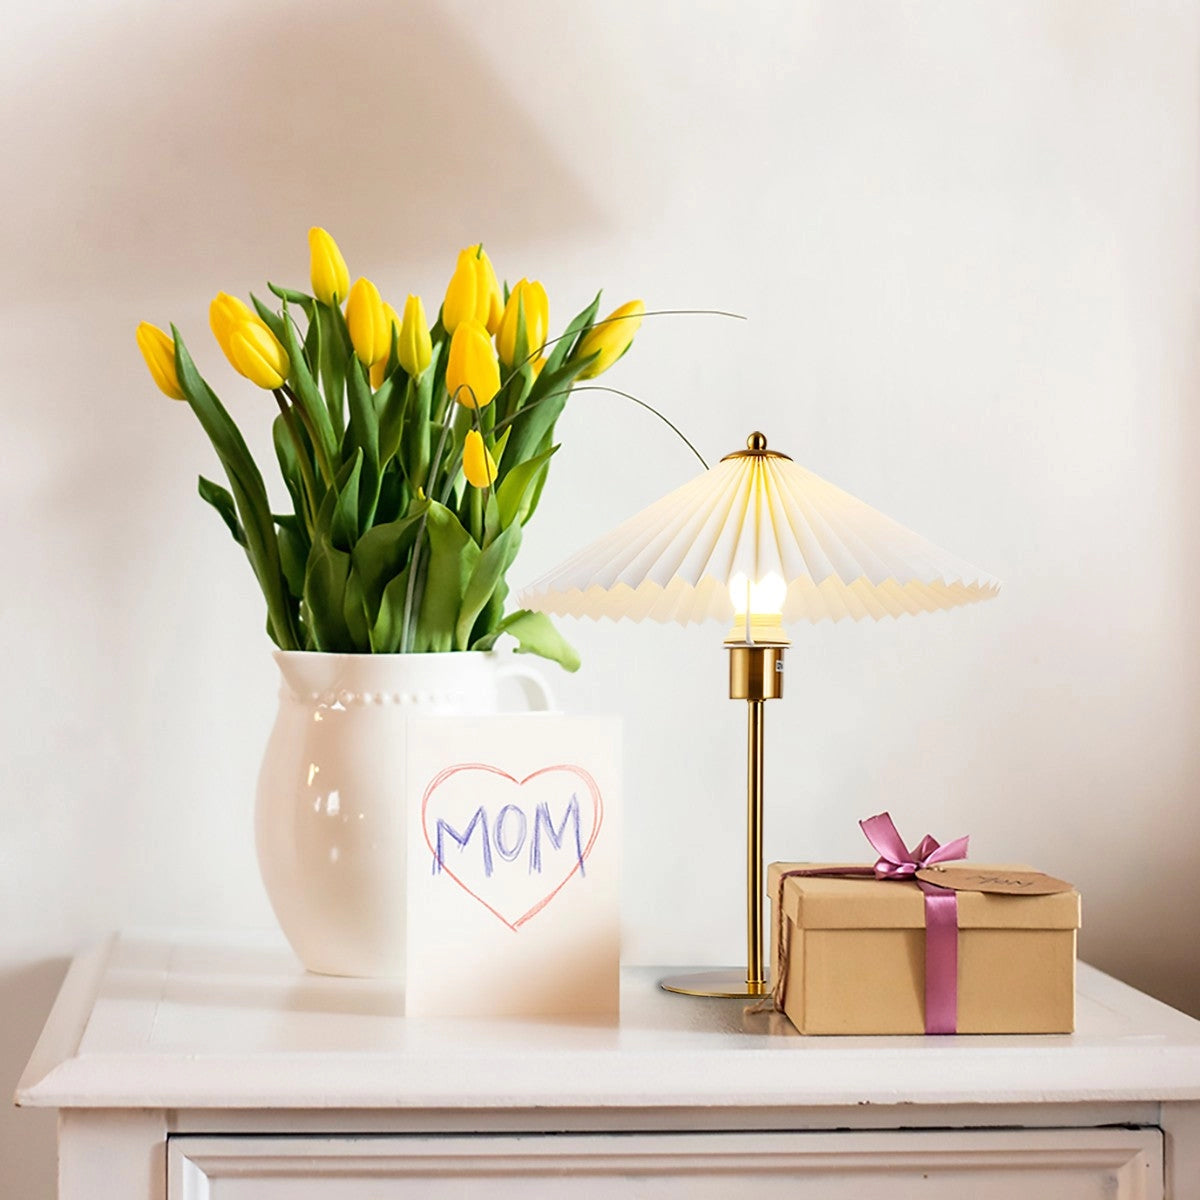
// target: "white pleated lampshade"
[[758, 516]]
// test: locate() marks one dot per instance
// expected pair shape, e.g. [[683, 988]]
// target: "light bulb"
[[764, 596], [758, 610]]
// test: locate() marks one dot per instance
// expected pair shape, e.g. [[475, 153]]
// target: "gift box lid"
[[826, 902]]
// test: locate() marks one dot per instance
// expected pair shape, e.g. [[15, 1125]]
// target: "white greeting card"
[[513, 849]]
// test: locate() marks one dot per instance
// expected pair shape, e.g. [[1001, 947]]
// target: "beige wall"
[[965, 235]]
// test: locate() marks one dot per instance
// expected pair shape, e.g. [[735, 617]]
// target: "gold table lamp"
[[756, 540]]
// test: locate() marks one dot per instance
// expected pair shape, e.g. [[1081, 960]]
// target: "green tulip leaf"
[[388, 632], [362, 434], [354, 610], [452, 555], [383, 552], [535, 634], [332, 363], [289, 465], [343, 524], [249, 495], [222, 501], [293, 555], [514, 496], [487, 575], [564, 348], [391, 401], [394, 495], [530, 506], [544, 406], [301, 299], [416, 445], [305, 387], [325, 597]]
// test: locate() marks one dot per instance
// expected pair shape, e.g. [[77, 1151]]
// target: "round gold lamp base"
[[728, 984]]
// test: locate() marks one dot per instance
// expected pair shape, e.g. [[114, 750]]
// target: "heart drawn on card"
[[511, 844]]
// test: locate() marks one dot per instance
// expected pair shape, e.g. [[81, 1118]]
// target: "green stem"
[[406, 631], [306, 475], [476, 515], [318, 449]]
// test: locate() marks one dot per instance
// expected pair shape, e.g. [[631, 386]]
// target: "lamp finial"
[[756, 447]]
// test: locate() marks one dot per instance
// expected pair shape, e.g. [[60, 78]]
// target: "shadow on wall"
[[181, 131], [27, 1139]]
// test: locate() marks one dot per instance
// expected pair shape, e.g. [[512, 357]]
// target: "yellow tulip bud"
[[379, 369], [495, 296], [225, 314], [532, 299], [370, 329], [472, 372], [610, 337], [537, 365], [473, 292], [415, 348], [158, 349], [330, 278], [478, 465], [255, 352]]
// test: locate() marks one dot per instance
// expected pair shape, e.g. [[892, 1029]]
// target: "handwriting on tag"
[[999, 882]]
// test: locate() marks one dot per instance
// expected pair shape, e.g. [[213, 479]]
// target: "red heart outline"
[[598, 820]]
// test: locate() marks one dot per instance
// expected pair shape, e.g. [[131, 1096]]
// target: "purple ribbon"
[[897, 861]]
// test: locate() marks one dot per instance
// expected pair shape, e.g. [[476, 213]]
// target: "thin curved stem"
[[654, 312], [600, 387]]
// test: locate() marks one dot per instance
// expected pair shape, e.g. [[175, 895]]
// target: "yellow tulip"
[[370, 329], [610, 338], [414, 347], [531, 297], [478, 465], [378, 371], [537, 365], [255, 352], [225, 314], [158, 349], [473, 292], [472, 371], [495, 296], [330, 278]]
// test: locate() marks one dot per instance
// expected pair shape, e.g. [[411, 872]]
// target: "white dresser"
[[191, 1067]]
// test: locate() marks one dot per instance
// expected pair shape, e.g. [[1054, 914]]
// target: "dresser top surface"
[[201, 1021]]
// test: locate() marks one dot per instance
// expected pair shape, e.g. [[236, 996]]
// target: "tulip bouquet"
[[413, 455]]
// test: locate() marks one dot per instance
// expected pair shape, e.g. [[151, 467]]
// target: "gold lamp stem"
[[756, 676], [756, 979]]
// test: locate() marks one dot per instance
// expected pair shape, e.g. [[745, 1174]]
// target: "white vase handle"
[[533, 684]]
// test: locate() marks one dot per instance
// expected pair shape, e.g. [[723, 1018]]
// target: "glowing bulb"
[[764, 596]]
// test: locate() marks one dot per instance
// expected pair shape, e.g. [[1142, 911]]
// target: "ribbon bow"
[[896, 860]]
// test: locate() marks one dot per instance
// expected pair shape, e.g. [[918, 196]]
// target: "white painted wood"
[[182, 1023], [1181, 1133], [228, 1053], [112, 1155], [1107, 1164], [712, 1118], [63, 1031]]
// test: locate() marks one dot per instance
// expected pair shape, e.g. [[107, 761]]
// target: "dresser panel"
[[1044, 1164]]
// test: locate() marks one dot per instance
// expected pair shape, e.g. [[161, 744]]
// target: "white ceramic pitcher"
[[330, 820]]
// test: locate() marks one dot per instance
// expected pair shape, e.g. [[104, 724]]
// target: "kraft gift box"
[[853, 955]]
